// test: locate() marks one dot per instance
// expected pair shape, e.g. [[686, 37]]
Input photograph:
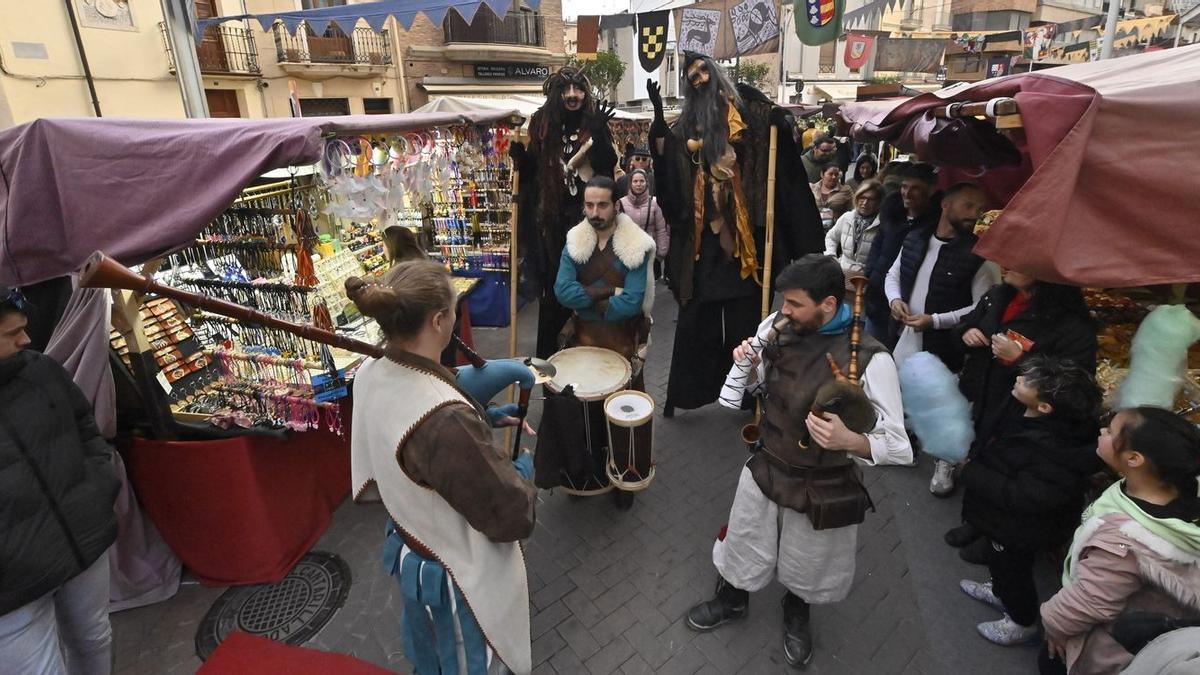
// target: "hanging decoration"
[[858, 50], [652, 39], [818, 21]]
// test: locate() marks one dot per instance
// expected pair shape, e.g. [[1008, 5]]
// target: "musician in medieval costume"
[[606, 276], [788, 519], [569, 143], [458, 504], [711, 175]]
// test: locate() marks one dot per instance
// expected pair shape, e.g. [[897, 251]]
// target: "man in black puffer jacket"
[[1025, 489], [57, 488]]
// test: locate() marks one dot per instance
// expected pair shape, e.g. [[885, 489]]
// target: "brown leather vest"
[[796, 369], [622, 337]]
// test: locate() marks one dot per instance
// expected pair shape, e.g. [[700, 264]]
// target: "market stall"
[[244, 504], [1093, 166]]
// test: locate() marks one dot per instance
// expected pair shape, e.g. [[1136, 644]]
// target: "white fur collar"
[[629, 242]]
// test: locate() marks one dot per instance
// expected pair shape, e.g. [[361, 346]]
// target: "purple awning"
[[137, 189]]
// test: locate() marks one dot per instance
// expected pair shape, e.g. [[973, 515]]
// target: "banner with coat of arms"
[[818, 21], [652, 39], [858, 50]]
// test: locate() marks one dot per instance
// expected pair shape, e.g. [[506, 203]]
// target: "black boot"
[[729, 604], [797, 639], [962, 535]]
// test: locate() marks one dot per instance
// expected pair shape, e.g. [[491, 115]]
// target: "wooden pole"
[[512, 284], [769, 246], [770, 243]]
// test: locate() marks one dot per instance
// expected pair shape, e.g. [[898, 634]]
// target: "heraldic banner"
[[652, 39], [724, 29], [858, 50], [818, 21]]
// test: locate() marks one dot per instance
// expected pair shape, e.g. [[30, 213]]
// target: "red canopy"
[[137, 189], [1108, 190]]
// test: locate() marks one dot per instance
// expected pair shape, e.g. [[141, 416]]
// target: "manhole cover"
[[291, 611]]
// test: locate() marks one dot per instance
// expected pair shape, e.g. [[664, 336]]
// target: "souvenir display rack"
[[285, 249]]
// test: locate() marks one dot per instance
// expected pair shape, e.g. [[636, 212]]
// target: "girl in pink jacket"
[[1138, 547]]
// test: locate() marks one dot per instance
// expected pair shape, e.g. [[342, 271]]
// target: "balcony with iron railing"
[[525, 29], [362, 47], [225, 50]]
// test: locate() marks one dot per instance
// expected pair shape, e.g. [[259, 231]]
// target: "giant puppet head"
[[706, 94], [569, 90]]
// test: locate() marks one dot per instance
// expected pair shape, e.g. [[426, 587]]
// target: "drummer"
[[604, 275]]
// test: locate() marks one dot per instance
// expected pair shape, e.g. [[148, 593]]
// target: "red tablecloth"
[[243, 654], [243, 510]]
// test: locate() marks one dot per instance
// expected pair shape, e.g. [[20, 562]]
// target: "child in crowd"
[[1025, 489], [1138, 547]]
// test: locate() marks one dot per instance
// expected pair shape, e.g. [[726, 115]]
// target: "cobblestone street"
[[609, 589]]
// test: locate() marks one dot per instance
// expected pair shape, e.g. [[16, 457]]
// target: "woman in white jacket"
[[849, 240]]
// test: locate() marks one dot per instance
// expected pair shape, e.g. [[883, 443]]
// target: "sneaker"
[[981, 592], [942, 484], [1007, 633]]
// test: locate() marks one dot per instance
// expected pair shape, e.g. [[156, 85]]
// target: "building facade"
[[251, 73]]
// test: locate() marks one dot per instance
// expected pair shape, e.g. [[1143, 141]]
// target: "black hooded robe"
[[717, 308], [547, 211]]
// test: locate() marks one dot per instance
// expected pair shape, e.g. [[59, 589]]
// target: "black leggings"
[[1012, 582]]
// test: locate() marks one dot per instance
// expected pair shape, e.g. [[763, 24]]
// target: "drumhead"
[[629, 408], [594, 372]]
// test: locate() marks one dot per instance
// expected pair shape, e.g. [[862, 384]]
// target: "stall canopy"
[[1105, 193], [374, 13], [138, 189], [524, 104]]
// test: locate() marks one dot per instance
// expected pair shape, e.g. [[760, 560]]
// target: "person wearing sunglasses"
[[57, 489]]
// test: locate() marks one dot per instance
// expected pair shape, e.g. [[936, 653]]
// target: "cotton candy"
[[1159, 358], [938, 413]]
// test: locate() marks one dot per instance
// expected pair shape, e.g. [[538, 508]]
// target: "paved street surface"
[[609, 589]]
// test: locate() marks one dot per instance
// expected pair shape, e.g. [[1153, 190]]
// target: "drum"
[[572, 445], [592, 372], [630, 416]]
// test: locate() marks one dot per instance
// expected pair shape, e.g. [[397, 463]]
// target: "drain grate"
[[291, 611]]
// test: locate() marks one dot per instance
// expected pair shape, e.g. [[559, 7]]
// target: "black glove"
[[605, 111], [655, 95]]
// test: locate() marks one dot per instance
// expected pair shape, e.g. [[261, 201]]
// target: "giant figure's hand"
[[655, 95], [605, 111]]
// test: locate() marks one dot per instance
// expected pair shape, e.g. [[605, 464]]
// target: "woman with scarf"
[[643, 209], [849, 240], [1138, 547]]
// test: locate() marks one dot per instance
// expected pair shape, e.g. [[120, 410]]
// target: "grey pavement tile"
[[613, 625], [547, 646], [687, 661], [636, 665], [579, 638], [610, 658], [547, 619], [582, 608], [566, 662]]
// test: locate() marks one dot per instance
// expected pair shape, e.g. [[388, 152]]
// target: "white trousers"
[[64, 631], [764, 541]]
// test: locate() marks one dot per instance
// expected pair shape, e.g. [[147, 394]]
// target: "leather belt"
[[815, 472]]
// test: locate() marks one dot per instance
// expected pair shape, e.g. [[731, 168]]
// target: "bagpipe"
[[482, 379]]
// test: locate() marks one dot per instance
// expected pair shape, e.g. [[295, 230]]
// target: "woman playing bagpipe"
[[458, 504]]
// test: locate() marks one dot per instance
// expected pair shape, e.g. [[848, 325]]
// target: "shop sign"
[[519, 71]]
